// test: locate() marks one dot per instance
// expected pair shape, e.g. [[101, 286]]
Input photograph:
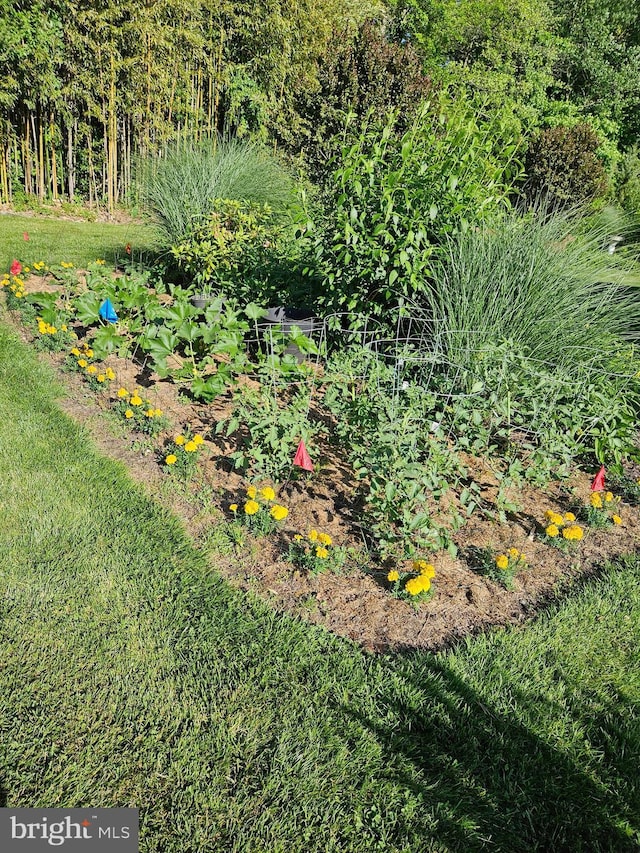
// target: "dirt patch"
[[355, 603]]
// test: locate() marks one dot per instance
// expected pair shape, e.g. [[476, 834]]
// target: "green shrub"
[[628, 182], [393, 201], [358, 77], [563, 166]]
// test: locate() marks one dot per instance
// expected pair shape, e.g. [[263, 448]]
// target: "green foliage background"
[[87, 87]]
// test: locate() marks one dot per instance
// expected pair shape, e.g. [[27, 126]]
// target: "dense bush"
[[243, 251], [365, 76], [563, 166], [628, 181], [393, 199]]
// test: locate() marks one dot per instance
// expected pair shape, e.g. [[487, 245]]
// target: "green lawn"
[[55, 240], [131, 674]]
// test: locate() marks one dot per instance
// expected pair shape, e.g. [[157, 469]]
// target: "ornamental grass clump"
[[181, 454], [260, 512], [138, 413], [315, 553], [413, 585], [561, 531], [600, 510]]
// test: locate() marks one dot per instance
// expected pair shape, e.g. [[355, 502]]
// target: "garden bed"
[[355, 602]]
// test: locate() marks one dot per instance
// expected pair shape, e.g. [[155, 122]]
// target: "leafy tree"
[[503, 49], [600, 60], [366, 76]]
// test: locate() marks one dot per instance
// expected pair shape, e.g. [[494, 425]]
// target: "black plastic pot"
[[201, 300], [286, 318]]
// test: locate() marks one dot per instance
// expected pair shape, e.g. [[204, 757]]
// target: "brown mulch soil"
[[356, 603]]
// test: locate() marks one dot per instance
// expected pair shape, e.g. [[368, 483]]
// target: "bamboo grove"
[[89, 85]]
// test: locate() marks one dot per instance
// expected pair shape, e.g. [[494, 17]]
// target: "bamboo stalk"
[[54, 170], [40, 159]]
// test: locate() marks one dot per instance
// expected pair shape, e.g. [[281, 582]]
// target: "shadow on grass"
[[490, 782]]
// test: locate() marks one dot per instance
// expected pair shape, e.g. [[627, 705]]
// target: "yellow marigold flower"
[[555, 518], [279, 512], [82, 362], [552, 530], [136, 400], [513, 553], [26, 269], [595, 500], [414, 586], [92, 369], [100, 261], [502, 561], [569, 516], [608, 497], [419, 565], [393, 576], [198, 439], [191, 446], [267, 493], [171, 459], [179, 440], [63, 328], [234, 507], [157, 413], [325, 539], [251, 507], [150, 413], [428, 571], [573, 533], [424, 582], [109, 373], [313, 535], [321, 552], [101, 377], [616, 519], [297, 537], [122, 392], [252, 492], [128, 414], [52, 330], [89, 352]]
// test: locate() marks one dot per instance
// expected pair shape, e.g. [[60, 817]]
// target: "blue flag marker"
[[108, 312]]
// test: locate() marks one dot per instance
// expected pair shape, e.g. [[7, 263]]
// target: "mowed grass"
[[132, 675], [78, 243]]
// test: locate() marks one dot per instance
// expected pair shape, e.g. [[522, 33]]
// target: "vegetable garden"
[[447, 485]]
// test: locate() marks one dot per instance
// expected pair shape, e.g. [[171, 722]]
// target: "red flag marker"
[[302, 458], [598, 481], [25, 236], [16, 268]]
